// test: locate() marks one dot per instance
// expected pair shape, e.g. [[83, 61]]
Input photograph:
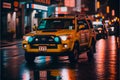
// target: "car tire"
[[92, 50], [29, 57], [74, 55], [90, 55]]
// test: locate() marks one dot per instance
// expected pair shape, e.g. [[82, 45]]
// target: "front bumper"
[[56, 49]]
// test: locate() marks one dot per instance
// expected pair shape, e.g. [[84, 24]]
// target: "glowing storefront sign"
[[6, 5], [35, 6], [61, 10], [16, 3], [69, 3]]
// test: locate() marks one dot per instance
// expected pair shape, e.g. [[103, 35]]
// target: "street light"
[[107, 9], [113, 12], [98, 4]]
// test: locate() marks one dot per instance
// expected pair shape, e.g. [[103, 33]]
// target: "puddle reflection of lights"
[[68, 74], [100, 58], [26, 75], [112, 64], [106, 64], [65, 74], [113, 56], [4, 57], [112, 41], [40, 59], [101, 44]]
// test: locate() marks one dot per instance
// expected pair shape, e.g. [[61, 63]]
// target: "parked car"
[[60, 36]]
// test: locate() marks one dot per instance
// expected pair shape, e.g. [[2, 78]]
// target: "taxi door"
[[83, 33]]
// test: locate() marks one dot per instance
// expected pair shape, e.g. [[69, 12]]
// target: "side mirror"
[[81, 26]]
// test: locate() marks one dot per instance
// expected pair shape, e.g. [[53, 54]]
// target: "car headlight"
[[99, 28], [65, 37], [28, 38], [112, 28], [57, 39]]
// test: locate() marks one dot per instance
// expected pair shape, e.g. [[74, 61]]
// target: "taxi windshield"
[[56, 24]]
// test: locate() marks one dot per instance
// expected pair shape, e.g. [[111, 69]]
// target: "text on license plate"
[[42, 48]]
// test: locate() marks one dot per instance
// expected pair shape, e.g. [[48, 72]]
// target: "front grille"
[[49, 46], [44, 39]]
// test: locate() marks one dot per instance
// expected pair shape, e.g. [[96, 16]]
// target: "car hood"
[[51, 32]]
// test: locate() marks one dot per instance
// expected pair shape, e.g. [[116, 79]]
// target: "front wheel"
[[74, 55], [90, 55], [29, 57], [92, 50]]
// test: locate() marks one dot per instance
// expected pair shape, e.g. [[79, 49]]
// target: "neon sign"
[[69, 3]]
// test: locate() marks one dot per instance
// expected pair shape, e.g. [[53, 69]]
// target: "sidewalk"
[[5, 43]]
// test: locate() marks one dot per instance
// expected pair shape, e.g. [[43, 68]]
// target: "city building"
[[20, 15]]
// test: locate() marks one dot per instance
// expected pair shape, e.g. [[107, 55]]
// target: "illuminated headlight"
[[28, 38], [65, 46], [24, 46], [99, 28], [100, 31], [57, 39], [112, 28], [64, 37]]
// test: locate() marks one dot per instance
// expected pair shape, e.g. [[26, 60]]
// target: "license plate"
[[42, 48]]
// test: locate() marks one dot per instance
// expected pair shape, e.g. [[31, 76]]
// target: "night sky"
[[114, 4]]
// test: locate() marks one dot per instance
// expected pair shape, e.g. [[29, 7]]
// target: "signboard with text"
[[69, 3], [6, 5], [36, 6], [61, 10]]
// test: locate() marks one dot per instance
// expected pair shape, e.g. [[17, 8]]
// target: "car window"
[[56, 24], [90, 23], [83, 22]]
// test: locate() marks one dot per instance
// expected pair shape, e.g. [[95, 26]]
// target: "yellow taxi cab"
[[60, 36]]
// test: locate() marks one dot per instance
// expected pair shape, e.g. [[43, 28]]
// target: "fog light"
[[65, 46], [100, 31], [24, 45]]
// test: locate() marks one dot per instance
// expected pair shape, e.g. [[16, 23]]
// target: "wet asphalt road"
[[105, 65]]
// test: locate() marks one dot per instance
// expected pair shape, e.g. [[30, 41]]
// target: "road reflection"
[[111, 43], [100, 57], [48, 71], [104, 66], [106, 59]]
